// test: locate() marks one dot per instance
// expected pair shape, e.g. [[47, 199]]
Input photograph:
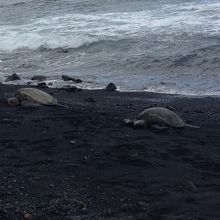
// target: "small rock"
[[28, 216], [39, 78], [72, 142], [198, 111], [63, 50], [151, 106], [50, 84], [189, 121], [13, 77], [171, 108], [29, 83], [69, 78], [71, 88], [111, 87], [18, 210], [42, 85]]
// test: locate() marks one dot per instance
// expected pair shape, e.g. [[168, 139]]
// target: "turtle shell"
[[161, 116], [36, 96]]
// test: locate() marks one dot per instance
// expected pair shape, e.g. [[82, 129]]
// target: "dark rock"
[[50, 84], [171, 108], [111, 87], [198, 111], [39, 78], [29, 83], [71, 89], [189, 121], [42, 85], [72, 142], [66, 78], [69, 78], [63, 50], [28, 216], [78, 81], [13, 77], [167, 83], [153, 105]]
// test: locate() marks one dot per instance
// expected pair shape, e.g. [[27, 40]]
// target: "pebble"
[[72, 142], [71, 88], [69, 78], [42, 85], [28, 216]]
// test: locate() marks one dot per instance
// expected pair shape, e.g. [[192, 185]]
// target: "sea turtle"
[[32, 97], [158, 117]]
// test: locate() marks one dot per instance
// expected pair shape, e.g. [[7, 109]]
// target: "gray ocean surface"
[[170, 46]]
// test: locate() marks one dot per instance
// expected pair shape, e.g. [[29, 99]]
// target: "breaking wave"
[[169, 46], [169, 24], [34, 41]]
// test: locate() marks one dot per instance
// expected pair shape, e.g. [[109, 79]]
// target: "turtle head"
[[13, 101], [140, 124], [128, 122]]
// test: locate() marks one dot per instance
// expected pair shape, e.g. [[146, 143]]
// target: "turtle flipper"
[[159, 127], [60, 105], [192, 126], [30, 104]]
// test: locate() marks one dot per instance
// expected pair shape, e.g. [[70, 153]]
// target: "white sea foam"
[[75, 30]]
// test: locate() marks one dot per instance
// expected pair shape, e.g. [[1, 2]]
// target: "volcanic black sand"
[[82, 162]]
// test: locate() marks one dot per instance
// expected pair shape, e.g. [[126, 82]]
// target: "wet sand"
[[82, 162]]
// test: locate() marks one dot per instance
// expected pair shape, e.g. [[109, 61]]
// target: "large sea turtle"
[[32, 97], [158, 117]]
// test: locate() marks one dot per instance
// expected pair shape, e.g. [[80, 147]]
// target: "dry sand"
[[82, 162]]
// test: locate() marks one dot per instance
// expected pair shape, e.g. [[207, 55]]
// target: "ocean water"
[[170, 46]]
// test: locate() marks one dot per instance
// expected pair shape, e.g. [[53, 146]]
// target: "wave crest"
[[34, 41], [168, 24]]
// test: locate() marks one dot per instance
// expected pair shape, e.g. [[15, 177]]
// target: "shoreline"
[[190, 95], [83, 163]]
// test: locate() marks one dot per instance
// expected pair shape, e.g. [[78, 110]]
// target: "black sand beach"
[[82, 162]]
